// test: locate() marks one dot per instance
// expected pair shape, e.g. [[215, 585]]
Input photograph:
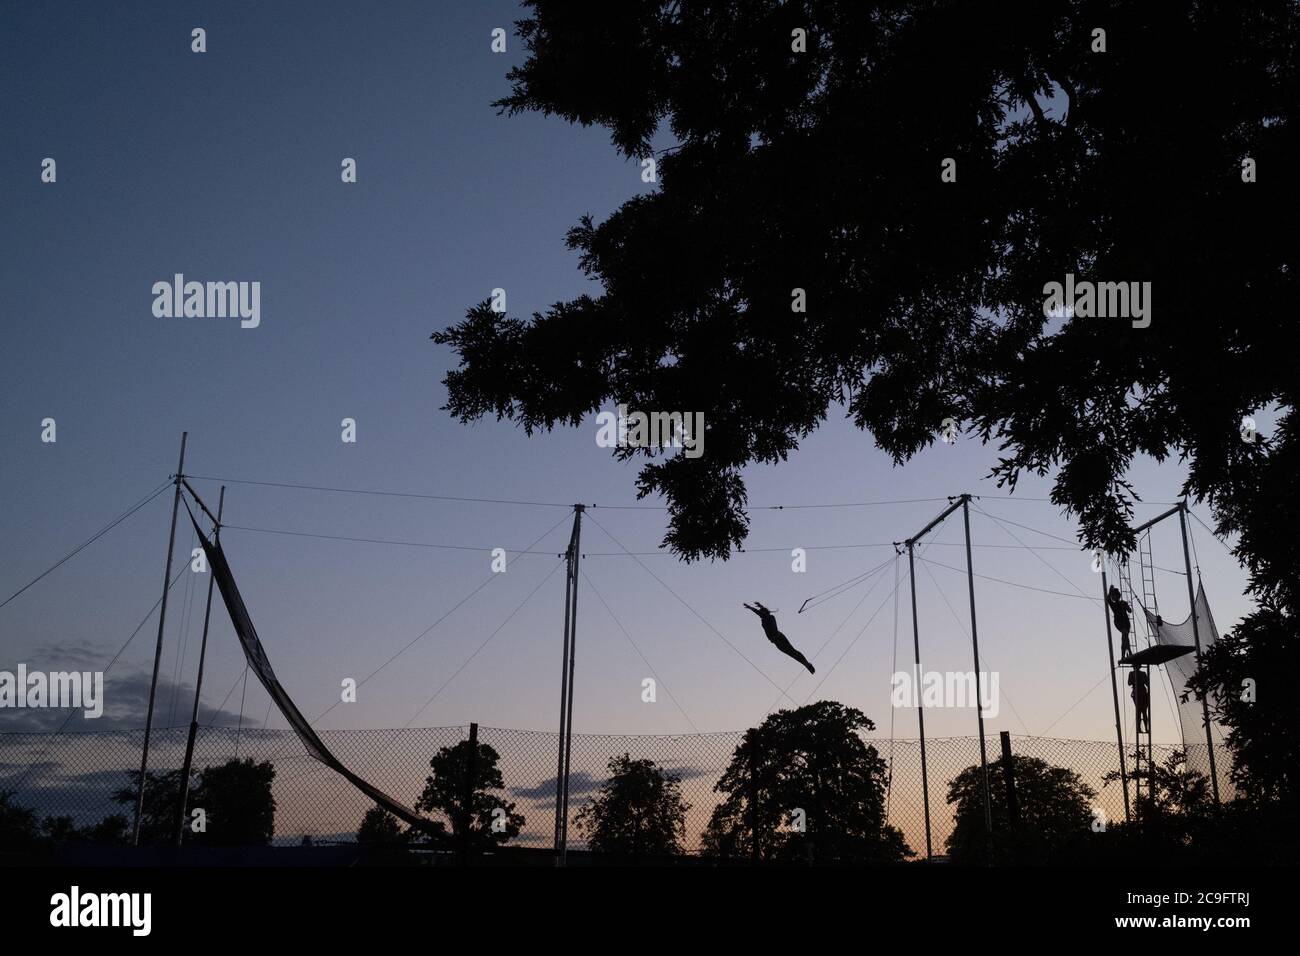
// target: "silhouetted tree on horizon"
[[389, 842], [113, 830], [1185, 826], [1055, 812], [158, 812], [444, 792], [811, 759], [638, 812], [237, 798], [19, 829], [381, 827]]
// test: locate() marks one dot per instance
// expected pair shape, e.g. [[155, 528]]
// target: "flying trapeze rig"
[[1175, 649]]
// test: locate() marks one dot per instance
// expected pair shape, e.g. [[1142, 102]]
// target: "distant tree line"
[[234, 800], [804, 787]]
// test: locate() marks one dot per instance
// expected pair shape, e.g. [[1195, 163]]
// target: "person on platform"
[[1119, 612]]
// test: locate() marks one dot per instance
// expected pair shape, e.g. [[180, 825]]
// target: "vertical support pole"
[[979, 703], [157, 653], [1009, 781], [1114, 692], [916, 684], [467, 797], [573, 645], [198, 689], [1151, 744], [1196, 634], [564, 707]]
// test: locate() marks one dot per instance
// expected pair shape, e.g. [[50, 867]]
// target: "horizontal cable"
[[682, 601], [655, 674], [469, 660], [599, 554], [1014, 584], [404, 544], [32, 765], [383, 494], [91, 540], [569, 504]]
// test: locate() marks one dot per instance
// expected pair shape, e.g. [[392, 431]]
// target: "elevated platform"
[[1156, 654]]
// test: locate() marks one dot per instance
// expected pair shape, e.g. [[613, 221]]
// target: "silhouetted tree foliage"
[[60, 829], [1055, 813], [114, 829], [812, 759], [388, 840], [1185, 826], [1247, 674], [639, 811], [63, 829], [158, 814], [19, 829], [237, 799], [380, 826], [821, 171], [1264, 648], [444, 792], [1181, 793]]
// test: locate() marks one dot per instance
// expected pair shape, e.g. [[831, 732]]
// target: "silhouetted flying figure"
[[1119, 611], [1141, 698], [776, 637]]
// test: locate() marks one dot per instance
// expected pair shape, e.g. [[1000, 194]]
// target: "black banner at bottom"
[[927, 904]]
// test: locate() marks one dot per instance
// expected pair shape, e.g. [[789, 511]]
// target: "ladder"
[[1148, 575], [1142, 754]]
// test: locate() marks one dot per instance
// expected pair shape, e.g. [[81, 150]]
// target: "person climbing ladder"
[[1141, 698], [1120, 610], [774, 635]]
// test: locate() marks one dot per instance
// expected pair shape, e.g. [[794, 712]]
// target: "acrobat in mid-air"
[[774, 635]]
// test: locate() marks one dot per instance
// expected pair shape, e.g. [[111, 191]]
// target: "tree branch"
[[1022, 89]]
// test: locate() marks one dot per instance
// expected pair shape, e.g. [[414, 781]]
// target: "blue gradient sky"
[[225, 166]]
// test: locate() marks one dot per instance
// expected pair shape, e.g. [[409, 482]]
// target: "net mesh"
[[75, 775], [1191, 716]]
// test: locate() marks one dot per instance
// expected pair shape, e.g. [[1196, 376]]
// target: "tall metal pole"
[[157, 654], [1196, 634], [467, 795], [198, 690], [1114, 692], [920, 712], [916, 647], [1009, 782], [573, 648], [979, 703], [564, 705], [1151, 748]]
